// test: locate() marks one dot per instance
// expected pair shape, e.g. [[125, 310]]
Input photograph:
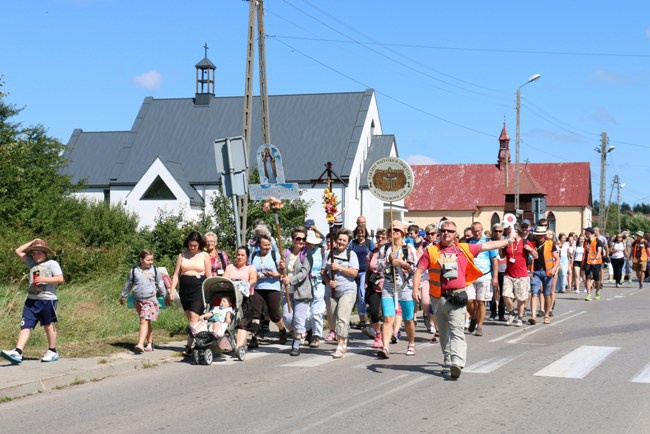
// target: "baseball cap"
[[309, 223], [590, 230], [525, 222]]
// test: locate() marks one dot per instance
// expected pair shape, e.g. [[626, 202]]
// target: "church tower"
[[503, 159], [205, 71]]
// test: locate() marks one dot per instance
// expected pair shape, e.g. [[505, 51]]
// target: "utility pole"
[[517, 168], [617, 181], [256, 7], [611, 191], [603, 151]]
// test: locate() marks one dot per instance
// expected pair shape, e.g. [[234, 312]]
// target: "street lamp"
[[532, 78], [603, 151]]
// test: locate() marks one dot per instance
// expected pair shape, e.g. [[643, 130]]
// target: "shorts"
[[272, 299], [516, 287], [38, 310], [405, 308], [592, 272], [480, 290], [190, 290], [541, 282], [639, 266], [148, 308], [247, 308]]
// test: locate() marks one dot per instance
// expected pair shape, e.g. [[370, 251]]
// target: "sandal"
[[138, 349], [411, 350], [383, 353], [149, 347], [331, 336], [435, 338], [340, 350], [187, 352], [547, 320]]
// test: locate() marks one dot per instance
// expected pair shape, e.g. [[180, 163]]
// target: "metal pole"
[[618, 200], [517, 169], [603, 158]]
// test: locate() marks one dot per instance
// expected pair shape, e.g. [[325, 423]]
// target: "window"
[[158, 190], [494, 220], [550, 217]]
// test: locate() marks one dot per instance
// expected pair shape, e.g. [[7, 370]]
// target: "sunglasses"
[[447, 231], [431, 233], [300, 239], [498, 232]]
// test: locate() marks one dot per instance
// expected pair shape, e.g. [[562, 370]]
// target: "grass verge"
[[91, 321]]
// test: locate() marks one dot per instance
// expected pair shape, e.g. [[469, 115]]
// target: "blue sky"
[[446, 73]]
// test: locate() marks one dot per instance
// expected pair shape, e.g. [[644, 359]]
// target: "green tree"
[[31, 185]]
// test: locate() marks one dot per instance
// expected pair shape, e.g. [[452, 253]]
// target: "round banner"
[[390, 179]]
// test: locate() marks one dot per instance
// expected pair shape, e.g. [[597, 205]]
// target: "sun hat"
[[540, 230], [396, 224], [312, 238], [39, 245], [639, 233]]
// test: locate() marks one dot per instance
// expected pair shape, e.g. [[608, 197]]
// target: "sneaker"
[[472, 326], [12, 355], [519, 323], [431, 329], [455, 371], [479, 331], [378, 343], [369, 331], [50, 356], [492, 318], [511, 319], [540, 313], [395, 337], [315, 342], [383, 353], [588, 297], [254, 343], [331, 337], [295, 352], [597, 296]]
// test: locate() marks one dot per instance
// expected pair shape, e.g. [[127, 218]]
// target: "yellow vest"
[[435, 273]]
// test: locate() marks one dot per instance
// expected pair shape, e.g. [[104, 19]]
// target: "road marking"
[[578, 363], [365, 402], [643, 376], [637, 291], [489, 365], [619, 296], [311, 361], [523, 329], [544, 327]]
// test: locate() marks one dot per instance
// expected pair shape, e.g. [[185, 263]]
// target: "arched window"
[[550, 217], [494, 220]]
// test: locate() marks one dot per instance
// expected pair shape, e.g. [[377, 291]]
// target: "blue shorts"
[[38, 310], [388, 308], [541, 280]]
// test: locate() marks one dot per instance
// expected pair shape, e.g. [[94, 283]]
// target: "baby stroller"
[[214, 288]]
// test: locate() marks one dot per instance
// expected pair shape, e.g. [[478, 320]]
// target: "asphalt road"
[[588, 371]]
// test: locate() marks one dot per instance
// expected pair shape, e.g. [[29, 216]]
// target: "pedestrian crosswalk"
[[578, 363]]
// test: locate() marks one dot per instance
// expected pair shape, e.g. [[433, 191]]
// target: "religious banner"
[[390, 179]]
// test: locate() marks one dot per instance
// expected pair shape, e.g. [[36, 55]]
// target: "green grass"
[[91, 320]]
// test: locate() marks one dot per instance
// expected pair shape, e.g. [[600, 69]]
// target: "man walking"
[[592, 262], [451, 268], [480, 292], [640, 255]]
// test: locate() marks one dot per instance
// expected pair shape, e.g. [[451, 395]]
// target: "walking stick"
[[284, 269]]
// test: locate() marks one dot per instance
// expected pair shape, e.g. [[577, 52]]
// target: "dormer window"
[[158, 190]]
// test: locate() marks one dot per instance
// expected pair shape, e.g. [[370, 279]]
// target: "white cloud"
[[418, 160], [149, 80], [610, 76], [601, 115]]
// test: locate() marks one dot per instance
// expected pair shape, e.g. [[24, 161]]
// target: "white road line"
[[489, 365], [523, 329], [311, 361], [365, 402], [544, 327], [637, 291], [643, 376], [578, 363], [619, 296]]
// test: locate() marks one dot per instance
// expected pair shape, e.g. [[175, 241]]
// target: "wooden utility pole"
[[256, 7]]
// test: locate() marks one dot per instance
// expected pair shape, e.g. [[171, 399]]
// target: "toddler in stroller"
[[215, 329]]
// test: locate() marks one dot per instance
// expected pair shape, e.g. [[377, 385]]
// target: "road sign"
[[230, 154], [390, 179], [509, 220]]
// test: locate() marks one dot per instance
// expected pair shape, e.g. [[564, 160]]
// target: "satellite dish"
[[509, 220]]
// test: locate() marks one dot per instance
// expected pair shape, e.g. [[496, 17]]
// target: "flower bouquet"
[[330, 204]]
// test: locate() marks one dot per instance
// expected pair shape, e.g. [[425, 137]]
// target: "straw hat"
[[39, 245]]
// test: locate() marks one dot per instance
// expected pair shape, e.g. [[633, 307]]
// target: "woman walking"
[[245, 276], [374, 284], [618, 256]]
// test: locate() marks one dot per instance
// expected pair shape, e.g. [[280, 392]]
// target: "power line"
[[385, 94], [487, 50]]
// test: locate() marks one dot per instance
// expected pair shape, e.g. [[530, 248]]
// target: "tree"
[[31, 184]]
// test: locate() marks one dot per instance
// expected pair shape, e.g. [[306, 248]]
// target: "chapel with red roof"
[[466, 193]]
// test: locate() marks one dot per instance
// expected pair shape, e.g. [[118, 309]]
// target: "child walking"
[[145, 284], [41, 302]]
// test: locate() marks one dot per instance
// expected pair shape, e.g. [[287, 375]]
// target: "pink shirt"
[[459, 282]]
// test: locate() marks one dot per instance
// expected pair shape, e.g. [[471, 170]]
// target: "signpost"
[[390, 179], [231, 161]]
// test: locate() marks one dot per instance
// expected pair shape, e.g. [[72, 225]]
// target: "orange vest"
[[593, 257], [548, 257], [435, 284], [644, 253]]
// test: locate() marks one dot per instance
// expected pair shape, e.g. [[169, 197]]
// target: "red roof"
[[468, 186]]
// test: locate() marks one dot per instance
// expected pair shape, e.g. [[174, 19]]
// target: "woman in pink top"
[[192, 268], [241, 272]]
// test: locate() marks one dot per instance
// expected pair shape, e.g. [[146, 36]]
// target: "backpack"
[[273, 255], [165, 278]]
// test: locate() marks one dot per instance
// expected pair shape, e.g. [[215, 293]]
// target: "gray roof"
[[380, 147], [308, 129]]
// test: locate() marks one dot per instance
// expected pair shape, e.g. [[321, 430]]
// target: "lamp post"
[[603, 151], [517, 168]]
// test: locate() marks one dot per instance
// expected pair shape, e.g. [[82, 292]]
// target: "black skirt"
[[190, 290]]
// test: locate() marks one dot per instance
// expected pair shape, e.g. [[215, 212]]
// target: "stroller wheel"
[[196, 356], [207, 356], [241, 353]]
